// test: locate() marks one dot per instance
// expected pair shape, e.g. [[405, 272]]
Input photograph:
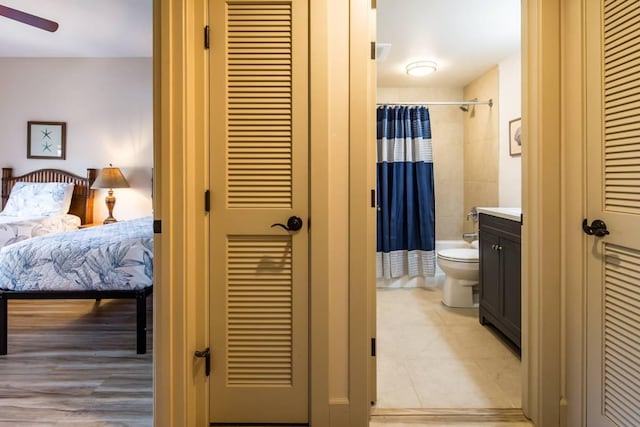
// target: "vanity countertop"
[[513, 214]]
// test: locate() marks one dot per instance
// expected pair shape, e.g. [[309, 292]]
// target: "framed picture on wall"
[[46, 140], [515, 137]]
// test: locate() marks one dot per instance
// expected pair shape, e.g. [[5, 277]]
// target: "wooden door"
[[490, 295], [511, 305], [613, 195], [259, 177]]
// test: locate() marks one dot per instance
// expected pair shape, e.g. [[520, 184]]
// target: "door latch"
[[294, 223], [598, 228], [206, 354]]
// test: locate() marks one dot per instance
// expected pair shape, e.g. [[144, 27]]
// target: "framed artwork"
[[515, 137], [46, 140]]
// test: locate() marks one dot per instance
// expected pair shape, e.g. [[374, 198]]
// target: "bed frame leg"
[[141, 322], [4, 325]]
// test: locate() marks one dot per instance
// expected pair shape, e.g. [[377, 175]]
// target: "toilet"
[[461, 267]]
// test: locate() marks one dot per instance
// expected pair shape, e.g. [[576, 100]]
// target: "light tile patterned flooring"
[[433, 356]]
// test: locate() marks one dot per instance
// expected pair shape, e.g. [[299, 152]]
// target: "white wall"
[[510, 170], [107, 105]]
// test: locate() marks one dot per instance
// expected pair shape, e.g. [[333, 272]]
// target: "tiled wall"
[[447, 137], [465, 149], [481, 141]]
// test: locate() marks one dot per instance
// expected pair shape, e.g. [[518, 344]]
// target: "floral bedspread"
[[116, 256], [16, 229]]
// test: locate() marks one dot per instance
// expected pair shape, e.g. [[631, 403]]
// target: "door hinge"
[[206, 354], [206, 37], [373, 347], [374, 4], [373, 198], [157, 226], [207, 201], [373, 50]]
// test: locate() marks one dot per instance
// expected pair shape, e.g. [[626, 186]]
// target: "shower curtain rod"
[[467, 103]]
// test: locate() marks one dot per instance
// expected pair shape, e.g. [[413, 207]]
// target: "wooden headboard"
[[82, 200]]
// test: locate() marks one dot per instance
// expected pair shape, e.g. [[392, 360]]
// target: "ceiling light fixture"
[[421, 68]]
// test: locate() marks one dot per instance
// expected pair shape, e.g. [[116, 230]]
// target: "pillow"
[[39, 199]]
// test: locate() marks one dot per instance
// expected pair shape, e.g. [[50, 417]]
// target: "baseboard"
[[339, 412]]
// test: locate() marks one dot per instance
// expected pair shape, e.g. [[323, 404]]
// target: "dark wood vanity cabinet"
[[500, 289]]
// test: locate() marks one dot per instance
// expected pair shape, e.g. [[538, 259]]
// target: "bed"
[[22, 218], [109, 261]]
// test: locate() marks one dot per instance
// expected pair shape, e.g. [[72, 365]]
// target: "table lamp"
[[110, 178]]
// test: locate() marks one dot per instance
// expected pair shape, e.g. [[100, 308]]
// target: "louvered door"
[[259, 167], [613, 147]]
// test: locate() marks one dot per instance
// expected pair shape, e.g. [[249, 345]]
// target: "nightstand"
[[93, 224]]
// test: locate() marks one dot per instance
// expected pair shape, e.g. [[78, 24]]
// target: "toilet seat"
[[460, 255]]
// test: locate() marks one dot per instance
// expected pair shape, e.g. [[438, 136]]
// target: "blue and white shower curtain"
[[406, 202]]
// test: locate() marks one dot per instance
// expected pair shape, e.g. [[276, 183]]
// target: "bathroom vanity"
[[500, 284]]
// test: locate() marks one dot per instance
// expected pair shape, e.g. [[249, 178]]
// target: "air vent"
[[382, 51], [260, 307], [622, 336], [259, 105], [621, 64]]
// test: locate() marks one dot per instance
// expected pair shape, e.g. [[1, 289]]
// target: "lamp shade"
[[110, 178]]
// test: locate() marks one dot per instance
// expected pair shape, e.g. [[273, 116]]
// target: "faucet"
[[473, 214], [469, 237]]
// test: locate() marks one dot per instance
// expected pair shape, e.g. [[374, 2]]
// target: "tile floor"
[[433, 356]]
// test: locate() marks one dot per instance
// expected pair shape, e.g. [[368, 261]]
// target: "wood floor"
[[74, 363]]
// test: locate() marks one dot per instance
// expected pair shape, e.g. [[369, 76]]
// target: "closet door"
[[259, 166], [613, 196]]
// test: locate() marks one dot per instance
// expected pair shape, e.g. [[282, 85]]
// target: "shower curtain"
[[406, 202]]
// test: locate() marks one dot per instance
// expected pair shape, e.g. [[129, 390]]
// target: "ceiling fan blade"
[[27, 18]]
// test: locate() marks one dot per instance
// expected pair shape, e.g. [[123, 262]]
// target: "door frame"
[[541, 178], [552, 200], [574, 207], [549, 182], [180, 314], [181, 135], [554, 203], [545, 214]]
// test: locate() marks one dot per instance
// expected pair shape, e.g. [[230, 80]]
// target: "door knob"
[[597, 228], [294, 223]]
